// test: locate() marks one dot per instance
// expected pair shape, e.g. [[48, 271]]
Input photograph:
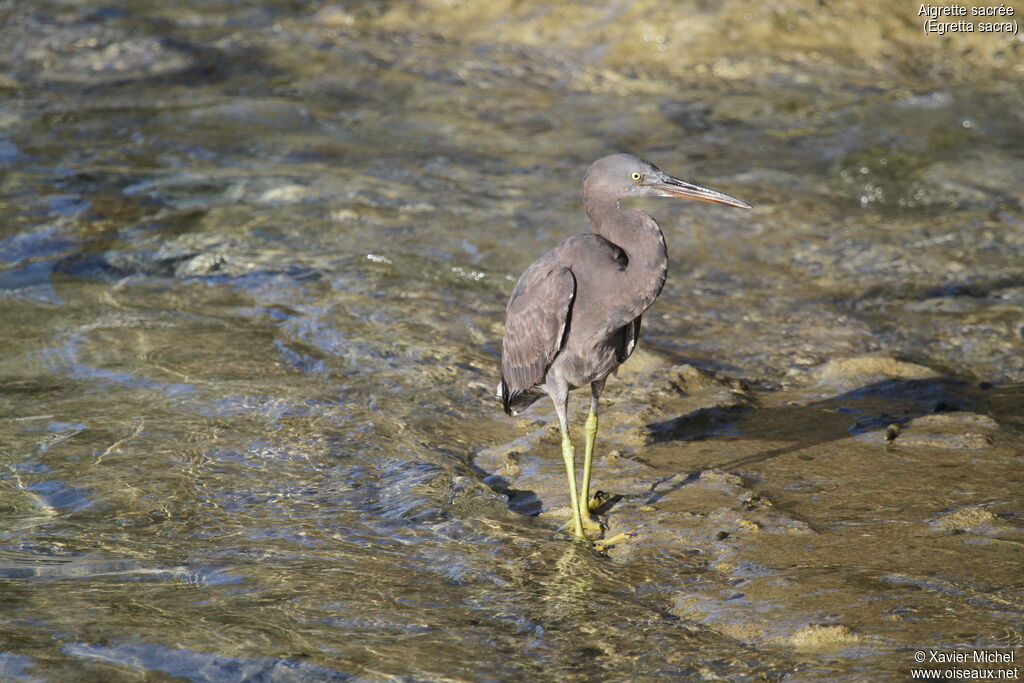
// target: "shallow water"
[[253, 265]]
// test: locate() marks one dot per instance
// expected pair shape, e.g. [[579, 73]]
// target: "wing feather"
[[536, 324]]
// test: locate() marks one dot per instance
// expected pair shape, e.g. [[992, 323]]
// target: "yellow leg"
[[569, 456], [590, 429]]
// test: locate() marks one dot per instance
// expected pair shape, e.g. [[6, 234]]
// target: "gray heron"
[[574, 316]]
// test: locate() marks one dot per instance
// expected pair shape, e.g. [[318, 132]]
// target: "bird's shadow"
[[884, 406], [522, 501]]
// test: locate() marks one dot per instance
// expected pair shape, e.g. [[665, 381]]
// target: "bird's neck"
[[639, 235]]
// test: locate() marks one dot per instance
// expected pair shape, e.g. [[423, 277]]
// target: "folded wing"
[[536, 325]]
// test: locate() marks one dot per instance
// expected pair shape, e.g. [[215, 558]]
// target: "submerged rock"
[[972, 518], [861, 370], [816, 638], [957, 430]]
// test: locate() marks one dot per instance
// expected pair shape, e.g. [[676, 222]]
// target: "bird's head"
[[623, 175]]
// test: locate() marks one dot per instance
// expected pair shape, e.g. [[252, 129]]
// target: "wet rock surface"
[[801, 506]]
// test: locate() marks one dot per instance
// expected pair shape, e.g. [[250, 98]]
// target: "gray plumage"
[[575, 314]]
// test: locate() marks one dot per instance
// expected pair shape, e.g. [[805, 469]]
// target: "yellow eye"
[[635, 175]]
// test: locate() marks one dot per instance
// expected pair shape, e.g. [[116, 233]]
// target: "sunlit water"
[[253, 264]]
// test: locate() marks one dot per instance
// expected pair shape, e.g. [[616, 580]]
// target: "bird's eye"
[[635, 175]]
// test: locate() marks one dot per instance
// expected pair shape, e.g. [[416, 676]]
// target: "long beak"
[[668, 186]]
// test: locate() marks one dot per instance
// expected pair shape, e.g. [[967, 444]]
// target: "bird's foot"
[[605, 543], [601, 502], [598, 504], [592, 527], [593, 531], [593, 539]]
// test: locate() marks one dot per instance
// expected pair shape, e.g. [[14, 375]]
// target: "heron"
[[574, 316]]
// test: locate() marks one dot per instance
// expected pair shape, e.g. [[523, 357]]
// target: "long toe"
[[617, 539]]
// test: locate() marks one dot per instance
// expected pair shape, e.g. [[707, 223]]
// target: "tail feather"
[[514, 402], [503, 394]]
